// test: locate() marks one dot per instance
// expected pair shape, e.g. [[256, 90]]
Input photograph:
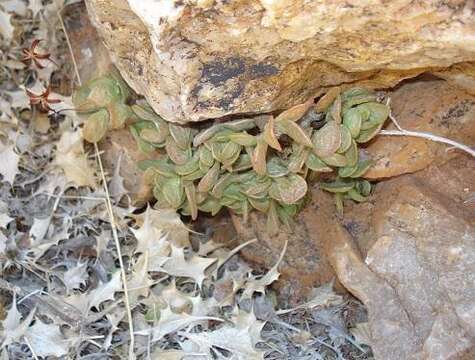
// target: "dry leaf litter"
[[62, 294]]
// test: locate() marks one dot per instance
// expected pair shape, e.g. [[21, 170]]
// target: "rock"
[[90, 54], [417, 279], [461, 75], [427, 105], [196, 60], [393, 334], [425, 249], [303, 259]]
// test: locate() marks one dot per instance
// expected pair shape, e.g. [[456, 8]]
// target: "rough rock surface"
[[419, 241], [91, 56], [304, 259], [408, 255], [427, 105], [204, 59], [425, 250]]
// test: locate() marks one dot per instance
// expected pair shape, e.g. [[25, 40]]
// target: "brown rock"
[[425, 249], [420, 243], [90, 54], [461, 75], [196, 60], [304, 265], [393, 334], [428, 105]]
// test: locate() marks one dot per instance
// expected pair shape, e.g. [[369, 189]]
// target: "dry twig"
[[108, 206], [428, 136]]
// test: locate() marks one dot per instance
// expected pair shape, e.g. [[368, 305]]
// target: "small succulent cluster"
[[257, 163], [262, 163], [104, 100]]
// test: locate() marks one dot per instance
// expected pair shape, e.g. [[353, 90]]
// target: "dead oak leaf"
[[180, 302], [35, 6], [13, 327], [155, 224], [255, 284], [103, 292], [139, 281], [194, 267], [71, 158], [4, 218], [6, 28], [10, 160], [75, 276], [152, 241], [47, 340], [239, 338], [170, 322]]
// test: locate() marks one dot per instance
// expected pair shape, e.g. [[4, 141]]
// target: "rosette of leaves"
[[103, 100], [262, 163]]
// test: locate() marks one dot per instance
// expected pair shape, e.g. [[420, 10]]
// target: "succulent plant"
[[256, 163], [103, 100], [244, 164]]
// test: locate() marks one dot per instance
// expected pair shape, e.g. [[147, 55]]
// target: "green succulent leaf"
[[327, 140], [356, 196], [276, 167], [363, 187], [294, 131], [314, 163], [243, 138], [336, 160], [189, 167], [181, 134], [345, 139], [119, 113], [338, 186], [174, 192], [177, 154], [352, 121], [210, 179], [291, 188], [352, 154], [247, 163], [96, 126]]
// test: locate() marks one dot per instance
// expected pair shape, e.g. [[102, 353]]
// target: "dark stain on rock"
[[226, 101], [231, 75], [457, 111], [262, 70], [218, 72]]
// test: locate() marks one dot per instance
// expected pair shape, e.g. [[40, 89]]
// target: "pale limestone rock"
[[201, 59]]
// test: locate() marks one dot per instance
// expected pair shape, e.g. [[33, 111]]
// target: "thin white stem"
[[233, 252], [424, 135], [31, 349], [76, 70], [119, 253], [108, 206], [431, 137]]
